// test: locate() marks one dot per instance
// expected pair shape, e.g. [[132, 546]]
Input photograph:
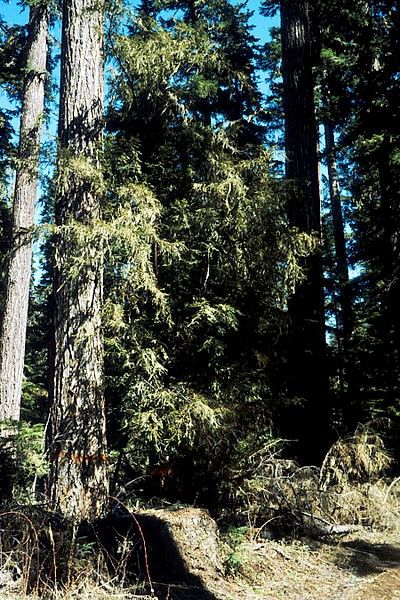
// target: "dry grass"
[[313, 570], [84, 588], [292, 570], [349, 489], [356, 458], [352, 485], [271, 570], [42, 557], [88, 593]]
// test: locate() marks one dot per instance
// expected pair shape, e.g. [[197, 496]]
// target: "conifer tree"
[[345, 313], [12, 43], [14, 322], [306, 368], [358, 49], [77, 440], [189, 125], [374, 147]]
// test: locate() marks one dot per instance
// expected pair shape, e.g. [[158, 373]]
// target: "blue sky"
[[14, 13], [262, 25]]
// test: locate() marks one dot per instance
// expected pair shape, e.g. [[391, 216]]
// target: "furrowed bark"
[[13, 329], [77, 448]]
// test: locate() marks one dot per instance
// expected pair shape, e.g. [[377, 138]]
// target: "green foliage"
[[12, 54], [173, 420], [236, 557], [11, 44], [78, 171], [188, 382], [23, 458], [30, 450], [157, 56]]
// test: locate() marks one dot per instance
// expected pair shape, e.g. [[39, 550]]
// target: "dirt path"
[[378, 570], [385, 586]]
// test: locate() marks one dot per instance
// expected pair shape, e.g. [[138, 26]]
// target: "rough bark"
[[77, 448], [13, 330], [342, 270], [306, 307], [183, 550]]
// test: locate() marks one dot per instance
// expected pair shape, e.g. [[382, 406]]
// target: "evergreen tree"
[[77, 442], [12, 43], [306, 364], [188, 125], [359, 50], [14, 322], [345, 323]]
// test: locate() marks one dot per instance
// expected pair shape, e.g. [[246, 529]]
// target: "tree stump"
[[183, 550]]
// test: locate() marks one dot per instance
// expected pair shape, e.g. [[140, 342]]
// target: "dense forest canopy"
[[217, 237]]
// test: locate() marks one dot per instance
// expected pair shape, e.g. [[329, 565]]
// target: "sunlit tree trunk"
[[14, 323], [77, 446], [306, 370]]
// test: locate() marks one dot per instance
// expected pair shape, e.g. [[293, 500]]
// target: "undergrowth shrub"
[[350, 489], [234, 540], [353, 483], [46, 556]]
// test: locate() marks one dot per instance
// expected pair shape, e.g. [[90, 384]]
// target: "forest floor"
[[363, 565]]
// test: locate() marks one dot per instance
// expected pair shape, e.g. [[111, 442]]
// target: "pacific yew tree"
[[198, 312]]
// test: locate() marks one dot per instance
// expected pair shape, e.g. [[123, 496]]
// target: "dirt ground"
[[385, 586], [361, 566], [378, 570]]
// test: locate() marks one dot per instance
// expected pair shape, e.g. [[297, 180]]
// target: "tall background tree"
[[15, 313], [306, 340], [357, 74]]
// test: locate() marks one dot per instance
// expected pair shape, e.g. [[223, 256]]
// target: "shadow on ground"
[[364, 558]]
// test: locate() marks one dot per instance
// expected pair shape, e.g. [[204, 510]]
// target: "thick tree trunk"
[[13, 330], [390, 259], [77, 449], [342, 269], [306, 307]]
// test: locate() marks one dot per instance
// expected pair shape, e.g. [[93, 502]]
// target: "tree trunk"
[[390, 260], [342, 270], [77, 448], [306, 307], [13, 330]]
